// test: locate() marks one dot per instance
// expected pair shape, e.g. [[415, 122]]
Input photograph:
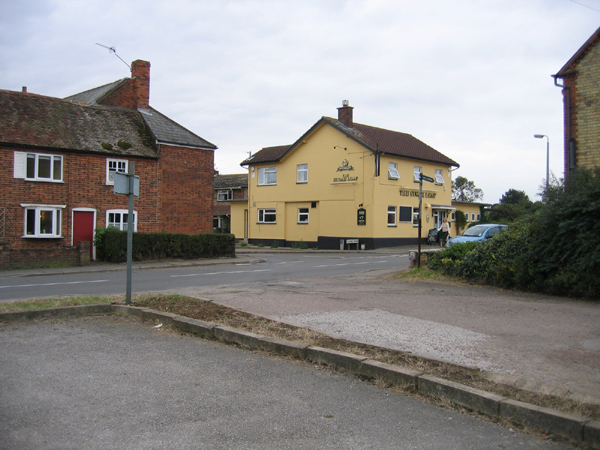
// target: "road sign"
[[122, 184], [426, 178]]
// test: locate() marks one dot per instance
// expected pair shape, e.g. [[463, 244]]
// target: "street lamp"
[[540, 136]]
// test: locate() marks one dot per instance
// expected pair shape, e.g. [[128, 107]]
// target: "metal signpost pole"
[[130, 225], [420, 207]]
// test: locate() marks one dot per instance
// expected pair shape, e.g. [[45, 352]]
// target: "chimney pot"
[[24, 89], [345, 114]]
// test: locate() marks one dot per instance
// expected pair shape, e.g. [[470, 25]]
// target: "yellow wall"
[[339, 193], [238, 214]]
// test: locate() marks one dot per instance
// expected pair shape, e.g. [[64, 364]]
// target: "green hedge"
[[556, 250], [111, 245]]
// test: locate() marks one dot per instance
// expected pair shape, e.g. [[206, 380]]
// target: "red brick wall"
[[186, 190]]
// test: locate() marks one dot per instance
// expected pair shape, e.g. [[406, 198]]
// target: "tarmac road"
[[542, 343], [114, 383]]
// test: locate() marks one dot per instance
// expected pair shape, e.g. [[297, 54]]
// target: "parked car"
[[477, 233]]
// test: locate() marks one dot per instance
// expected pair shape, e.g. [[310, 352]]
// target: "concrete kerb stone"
[[591, 434], [580, 429], [334, 358], [394, 375], [471, 398], [544, 419]]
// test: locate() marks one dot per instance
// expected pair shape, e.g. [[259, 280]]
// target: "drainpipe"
[[570, 141]]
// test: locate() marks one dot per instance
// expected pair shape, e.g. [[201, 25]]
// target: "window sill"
[[272, 184], [391, 226], [41, 237], [40, 180], [266, 223]]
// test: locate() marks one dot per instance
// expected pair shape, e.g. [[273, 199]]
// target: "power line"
[[586, 6]]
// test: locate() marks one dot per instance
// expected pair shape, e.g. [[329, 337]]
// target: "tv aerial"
[[114, 51]]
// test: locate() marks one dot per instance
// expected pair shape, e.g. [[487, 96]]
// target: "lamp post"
[[540, 136]]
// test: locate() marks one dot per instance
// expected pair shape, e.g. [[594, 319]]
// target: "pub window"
[[417, 172], [267, 215], [302, 176], [391, 216], [405, 214], [393, 171], [302, 215]]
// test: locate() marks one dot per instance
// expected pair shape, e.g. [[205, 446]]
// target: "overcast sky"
[[471, 78]]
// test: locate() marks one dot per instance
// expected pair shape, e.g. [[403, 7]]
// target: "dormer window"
[[224, 195]]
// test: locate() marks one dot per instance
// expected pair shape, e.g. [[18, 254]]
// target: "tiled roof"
[[231, 181], [392, 142], [167, 131], [267, 154], [46, 122], [375, 139], [570, 65], [93, 95]]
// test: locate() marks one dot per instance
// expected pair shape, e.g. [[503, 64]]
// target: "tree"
[[514, 197], [464, 190], [514, 205]]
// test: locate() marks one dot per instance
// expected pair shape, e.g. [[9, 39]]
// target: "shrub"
[[111, 245]]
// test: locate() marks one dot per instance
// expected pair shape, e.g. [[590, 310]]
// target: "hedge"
[[111, 245]]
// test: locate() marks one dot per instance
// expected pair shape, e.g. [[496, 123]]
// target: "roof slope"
[[168, 131], [165, 130], [231, 181], [92, 96], [37, 121], [378, 140], [569, 67]]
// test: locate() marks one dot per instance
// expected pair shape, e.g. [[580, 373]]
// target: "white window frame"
[[34, 230], [218, 219], [263, 212], [118, 165], [224, 195], [302, 173], [439, 177], [453, 216], [122, 224], [391, 216], [22, 165], [393, 173], [473, 217], [415, 217], [478, 217], [303, 214], [267, 176], [417, 173]]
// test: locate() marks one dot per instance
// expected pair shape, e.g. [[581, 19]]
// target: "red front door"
[[83, 228]]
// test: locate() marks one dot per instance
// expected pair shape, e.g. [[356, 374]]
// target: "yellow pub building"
[[346, 185]]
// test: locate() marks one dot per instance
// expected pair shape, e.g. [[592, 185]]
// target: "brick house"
[[59, 157], [581, 105], [231, 204]]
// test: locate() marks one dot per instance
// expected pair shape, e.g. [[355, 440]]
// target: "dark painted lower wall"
[[333, 243]]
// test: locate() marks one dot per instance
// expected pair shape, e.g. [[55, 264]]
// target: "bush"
[[111, 245], [556, 250]]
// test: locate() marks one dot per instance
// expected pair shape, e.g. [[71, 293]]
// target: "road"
[[276, 267]]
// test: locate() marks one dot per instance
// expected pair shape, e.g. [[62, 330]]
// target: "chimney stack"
[[140, 72], [345, 114], [24, 89]]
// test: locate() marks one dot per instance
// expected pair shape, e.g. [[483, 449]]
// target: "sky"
[[470, 78]]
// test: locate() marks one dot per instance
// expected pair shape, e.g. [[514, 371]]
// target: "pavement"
[[545, 344], [109, 382]]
